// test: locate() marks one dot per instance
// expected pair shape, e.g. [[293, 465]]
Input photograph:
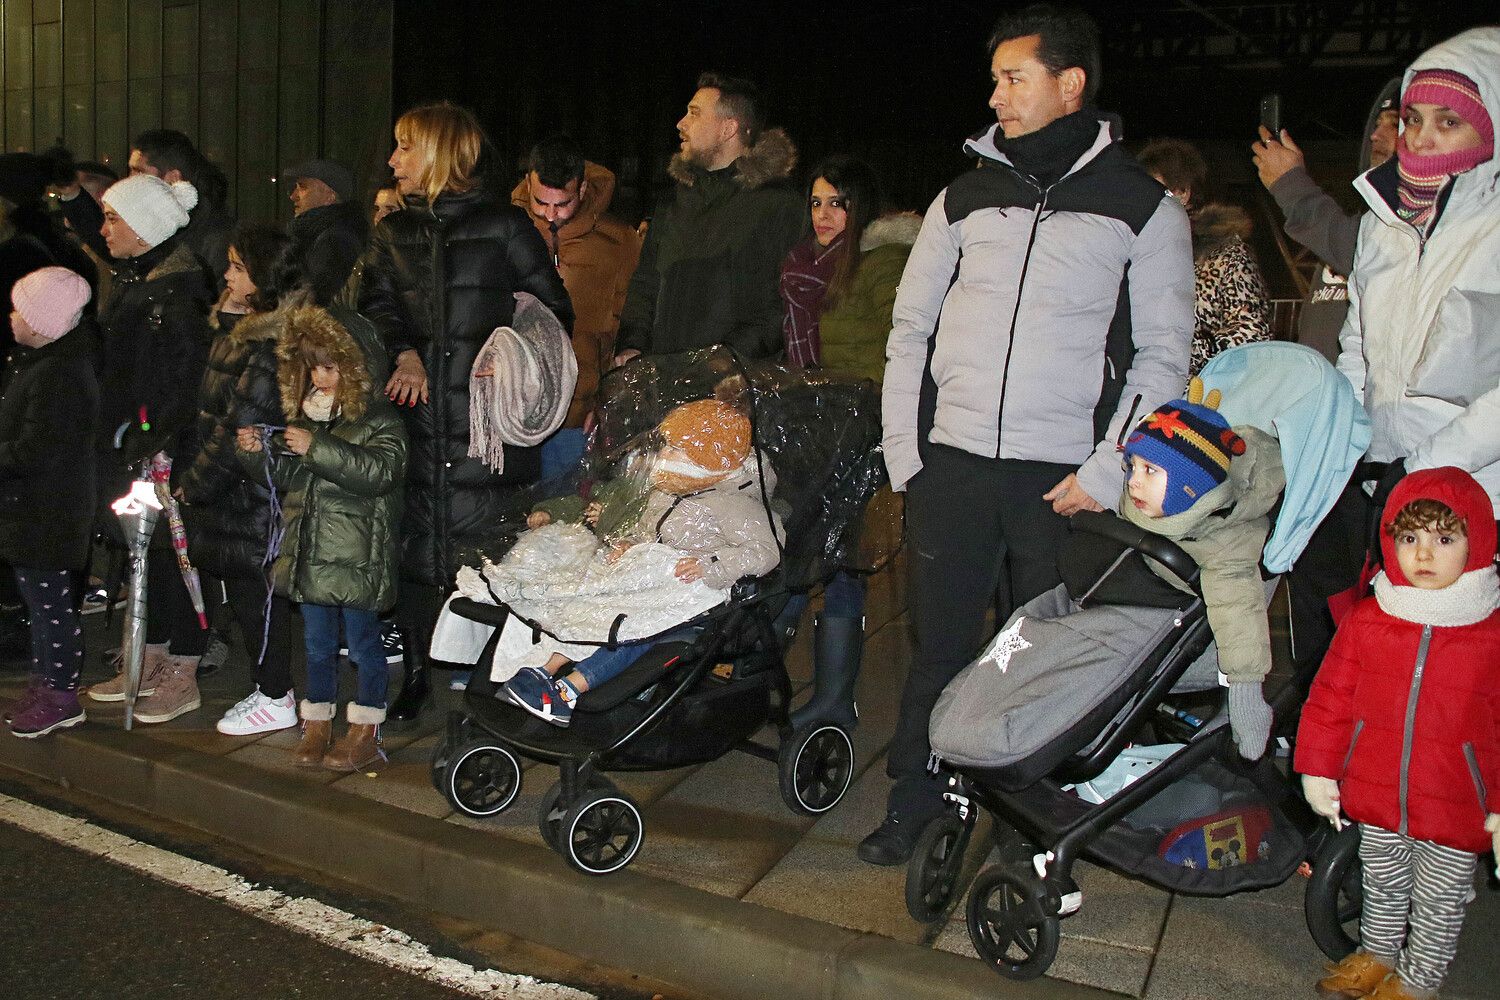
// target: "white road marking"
[[326, 924]]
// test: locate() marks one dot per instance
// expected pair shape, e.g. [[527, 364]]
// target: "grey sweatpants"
[[1415, 883]]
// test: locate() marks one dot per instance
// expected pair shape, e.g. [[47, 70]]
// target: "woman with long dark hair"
[[839, 286], [440, 276]]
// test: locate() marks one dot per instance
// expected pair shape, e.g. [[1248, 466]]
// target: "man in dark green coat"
[[711, 264]]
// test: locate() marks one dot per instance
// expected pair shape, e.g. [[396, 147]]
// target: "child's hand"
[[614, 554], [1323, 795], [247, 439], [1492, 824], [298, 439], [688, 570], [591, 513], [537, 518]]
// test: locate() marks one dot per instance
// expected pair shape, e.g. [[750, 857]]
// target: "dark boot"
[[837, 646], [415, 683]]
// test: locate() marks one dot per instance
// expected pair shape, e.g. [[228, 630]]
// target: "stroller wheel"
[[482, 778], [1335, 894], [933, 872], [816, 765], [601, 833], [1009, 924]]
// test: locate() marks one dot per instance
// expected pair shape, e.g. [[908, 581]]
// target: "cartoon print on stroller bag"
[[790, 461]]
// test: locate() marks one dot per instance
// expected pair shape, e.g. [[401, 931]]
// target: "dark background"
[[899, 83]]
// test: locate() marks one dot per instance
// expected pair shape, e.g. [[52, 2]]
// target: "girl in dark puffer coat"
[[229, 514], [48, 410]]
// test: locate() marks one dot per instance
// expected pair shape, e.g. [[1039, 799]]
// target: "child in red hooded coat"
[[1402, 729]]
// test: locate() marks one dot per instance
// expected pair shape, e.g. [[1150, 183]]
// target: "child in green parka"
[[340, 465]]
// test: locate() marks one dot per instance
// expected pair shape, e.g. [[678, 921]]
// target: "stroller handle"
[[1155, 547]]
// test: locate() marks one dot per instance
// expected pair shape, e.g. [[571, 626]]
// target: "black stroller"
[[1201, 821], [686, 701]]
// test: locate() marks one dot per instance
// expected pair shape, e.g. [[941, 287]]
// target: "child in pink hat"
[[49, 406]]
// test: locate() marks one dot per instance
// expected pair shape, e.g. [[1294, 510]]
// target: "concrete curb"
[[709, 945]]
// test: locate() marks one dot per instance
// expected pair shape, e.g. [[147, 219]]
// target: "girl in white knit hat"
[[156, 338]]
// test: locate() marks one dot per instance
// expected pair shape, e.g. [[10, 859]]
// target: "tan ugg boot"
[[359, 748], [1356, 976], [317, 733]]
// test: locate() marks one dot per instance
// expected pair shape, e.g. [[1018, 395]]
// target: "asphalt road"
[[78, 927]]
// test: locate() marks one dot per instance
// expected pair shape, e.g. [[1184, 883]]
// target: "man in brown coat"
[[567, 198]]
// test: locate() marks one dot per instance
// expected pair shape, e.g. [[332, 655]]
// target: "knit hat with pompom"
[[151, 206]]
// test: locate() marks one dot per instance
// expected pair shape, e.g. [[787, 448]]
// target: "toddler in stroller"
[[703, 680], [1033, 731]]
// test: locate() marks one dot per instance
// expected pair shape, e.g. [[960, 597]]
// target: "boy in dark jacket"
[[341, 465], [1400, 731], [48, 411]]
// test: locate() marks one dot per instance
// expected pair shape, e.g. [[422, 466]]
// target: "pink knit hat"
[[1449, 89], [50, 300]]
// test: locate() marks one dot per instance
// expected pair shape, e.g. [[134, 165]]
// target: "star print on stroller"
[[1067, 730], [713, 675]]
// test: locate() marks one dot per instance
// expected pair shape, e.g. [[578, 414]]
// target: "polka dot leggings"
[[56, 631]]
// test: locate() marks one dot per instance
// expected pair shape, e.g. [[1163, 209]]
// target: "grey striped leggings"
[[1415, 882]]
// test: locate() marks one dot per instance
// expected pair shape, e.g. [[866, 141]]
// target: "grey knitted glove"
[[1249, 718]]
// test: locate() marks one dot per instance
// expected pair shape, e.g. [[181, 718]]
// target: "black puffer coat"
[[329, 240], [156, 338], [48, 411], [439, 280], [228, 514]]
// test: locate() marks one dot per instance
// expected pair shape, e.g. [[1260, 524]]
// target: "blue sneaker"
[[535, 690]]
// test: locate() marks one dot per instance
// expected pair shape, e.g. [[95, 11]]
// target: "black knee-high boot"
[[838, 644], [415, 683]]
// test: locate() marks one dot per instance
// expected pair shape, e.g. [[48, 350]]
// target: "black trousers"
[[975, 525], [170, 616], [247, 603], [417, 613], [1329, 564]]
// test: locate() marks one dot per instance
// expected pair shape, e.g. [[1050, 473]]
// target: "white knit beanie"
[[151, 206]]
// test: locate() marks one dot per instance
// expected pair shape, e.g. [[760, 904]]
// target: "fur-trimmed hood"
[[313, 327], [772, 157], [1216, 224], [900, 228]]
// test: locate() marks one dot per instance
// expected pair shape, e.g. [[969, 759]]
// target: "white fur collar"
[[1471, 598]]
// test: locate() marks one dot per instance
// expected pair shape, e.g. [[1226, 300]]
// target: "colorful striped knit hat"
[[1421, 177], [1188, 440]]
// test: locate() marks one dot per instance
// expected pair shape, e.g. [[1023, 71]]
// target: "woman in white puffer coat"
[[1421, 343]]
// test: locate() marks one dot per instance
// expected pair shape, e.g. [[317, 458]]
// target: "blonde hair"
[[450, 140]]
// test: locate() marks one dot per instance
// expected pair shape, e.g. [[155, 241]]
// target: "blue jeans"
[[604, 664], [562, 451], [320, 632], [843, 597]]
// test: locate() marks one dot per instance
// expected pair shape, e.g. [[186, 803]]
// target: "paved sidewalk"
[[722, 831]]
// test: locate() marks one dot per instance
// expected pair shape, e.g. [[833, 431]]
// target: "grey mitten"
[[1249, 718]]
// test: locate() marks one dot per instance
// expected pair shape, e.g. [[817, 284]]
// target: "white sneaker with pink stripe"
[[255, 713]]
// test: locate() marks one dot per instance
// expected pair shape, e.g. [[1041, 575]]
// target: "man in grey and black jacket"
[[1047, 304]]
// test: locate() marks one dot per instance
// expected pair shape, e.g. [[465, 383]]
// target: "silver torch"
[[138, 511]]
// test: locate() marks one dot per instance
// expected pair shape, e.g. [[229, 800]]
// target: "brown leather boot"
[[317, 734], [1356, 976], [356, 750]]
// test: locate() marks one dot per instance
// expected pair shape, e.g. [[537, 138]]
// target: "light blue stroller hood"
[[1292, 392]]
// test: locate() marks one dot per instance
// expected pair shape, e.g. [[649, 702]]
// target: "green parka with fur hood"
[[342, 500], [1225, 532]]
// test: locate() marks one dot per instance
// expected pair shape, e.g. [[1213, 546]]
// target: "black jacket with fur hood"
[[711, 265]]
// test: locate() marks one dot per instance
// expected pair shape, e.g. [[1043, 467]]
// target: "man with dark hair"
[[567, 198], [328, 228], [171, 155], [1047, 303], [711, 263]]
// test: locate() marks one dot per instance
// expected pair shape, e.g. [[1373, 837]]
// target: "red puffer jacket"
[[1406, 716]]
